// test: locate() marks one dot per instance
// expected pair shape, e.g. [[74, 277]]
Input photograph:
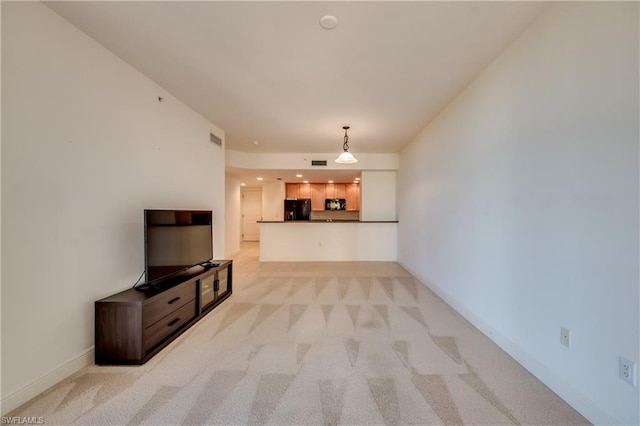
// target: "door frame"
[[244, 190]]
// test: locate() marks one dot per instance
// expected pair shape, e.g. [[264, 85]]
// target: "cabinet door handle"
[[173, 322], [216, 285], [174, 300]]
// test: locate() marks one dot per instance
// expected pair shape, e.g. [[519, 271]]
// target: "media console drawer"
[[167, 325], [168, 301]]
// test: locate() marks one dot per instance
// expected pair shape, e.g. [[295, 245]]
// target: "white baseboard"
[[564, 390], [34, 389]]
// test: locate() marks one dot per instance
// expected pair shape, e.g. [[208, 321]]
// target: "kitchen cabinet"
[[318, 196], [304, 190], [330, 190], [353, 197], [336, 190], [340, 190], [293, 190], [319, 192], [298, 190]]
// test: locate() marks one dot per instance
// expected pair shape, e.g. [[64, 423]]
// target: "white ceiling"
[[268, 72]]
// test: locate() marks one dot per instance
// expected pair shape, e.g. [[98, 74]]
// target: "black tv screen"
[[176, 240]]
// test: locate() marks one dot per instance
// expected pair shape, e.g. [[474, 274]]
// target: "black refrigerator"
[[297, 209]]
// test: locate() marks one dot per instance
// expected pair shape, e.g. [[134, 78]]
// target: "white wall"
[[86, 146], [273, 201], [302, 161], [232, 215], [378, 195], [518, 204]]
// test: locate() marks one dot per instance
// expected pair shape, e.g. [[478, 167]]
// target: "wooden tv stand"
[[134, 325]]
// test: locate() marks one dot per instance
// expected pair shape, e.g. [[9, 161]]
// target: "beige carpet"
[[315, 343]]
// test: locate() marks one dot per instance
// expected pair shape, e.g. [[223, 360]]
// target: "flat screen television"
[[174, 241]]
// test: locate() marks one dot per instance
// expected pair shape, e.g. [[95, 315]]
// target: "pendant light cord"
[[345, 145]]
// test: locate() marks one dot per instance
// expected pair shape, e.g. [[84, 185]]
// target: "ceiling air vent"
[[318, 162], [213, 138]]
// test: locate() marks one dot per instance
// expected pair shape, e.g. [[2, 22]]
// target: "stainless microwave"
[[335, 204]]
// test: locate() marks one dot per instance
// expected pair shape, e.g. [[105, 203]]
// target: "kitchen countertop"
[[327, 221]]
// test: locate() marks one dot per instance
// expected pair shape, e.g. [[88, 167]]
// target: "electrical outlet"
[[628, 371], [565, 336]]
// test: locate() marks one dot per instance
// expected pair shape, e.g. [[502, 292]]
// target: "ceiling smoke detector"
[[328, 22]]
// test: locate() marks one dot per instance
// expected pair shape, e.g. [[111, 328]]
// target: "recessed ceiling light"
[[259, 178], [298, 175], [305, 181], [328, 22], [357, 179], [256, 142], [330, 181], [243, 184]]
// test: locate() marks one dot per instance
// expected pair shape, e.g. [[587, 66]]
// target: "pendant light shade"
[[346, 157]]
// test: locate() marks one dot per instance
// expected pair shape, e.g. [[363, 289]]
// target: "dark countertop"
[[327, 221]]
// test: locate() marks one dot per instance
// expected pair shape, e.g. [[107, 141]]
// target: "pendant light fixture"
[[346, 157]]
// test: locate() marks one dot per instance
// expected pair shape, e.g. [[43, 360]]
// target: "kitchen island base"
[[328, 241]]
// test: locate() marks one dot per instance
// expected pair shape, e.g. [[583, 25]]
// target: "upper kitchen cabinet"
[[353, 197], [318, 196], [298, 190], [336, 190], [304, 190], [292, 190], [319, 192], [329, 190]]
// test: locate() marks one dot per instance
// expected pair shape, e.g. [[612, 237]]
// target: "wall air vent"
[[213, 138], [318, 162]]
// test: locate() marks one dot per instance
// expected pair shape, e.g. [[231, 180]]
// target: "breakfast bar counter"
[[328, 240]]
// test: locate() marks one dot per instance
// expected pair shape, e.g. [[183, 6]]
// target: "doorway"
[[251, 212]]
